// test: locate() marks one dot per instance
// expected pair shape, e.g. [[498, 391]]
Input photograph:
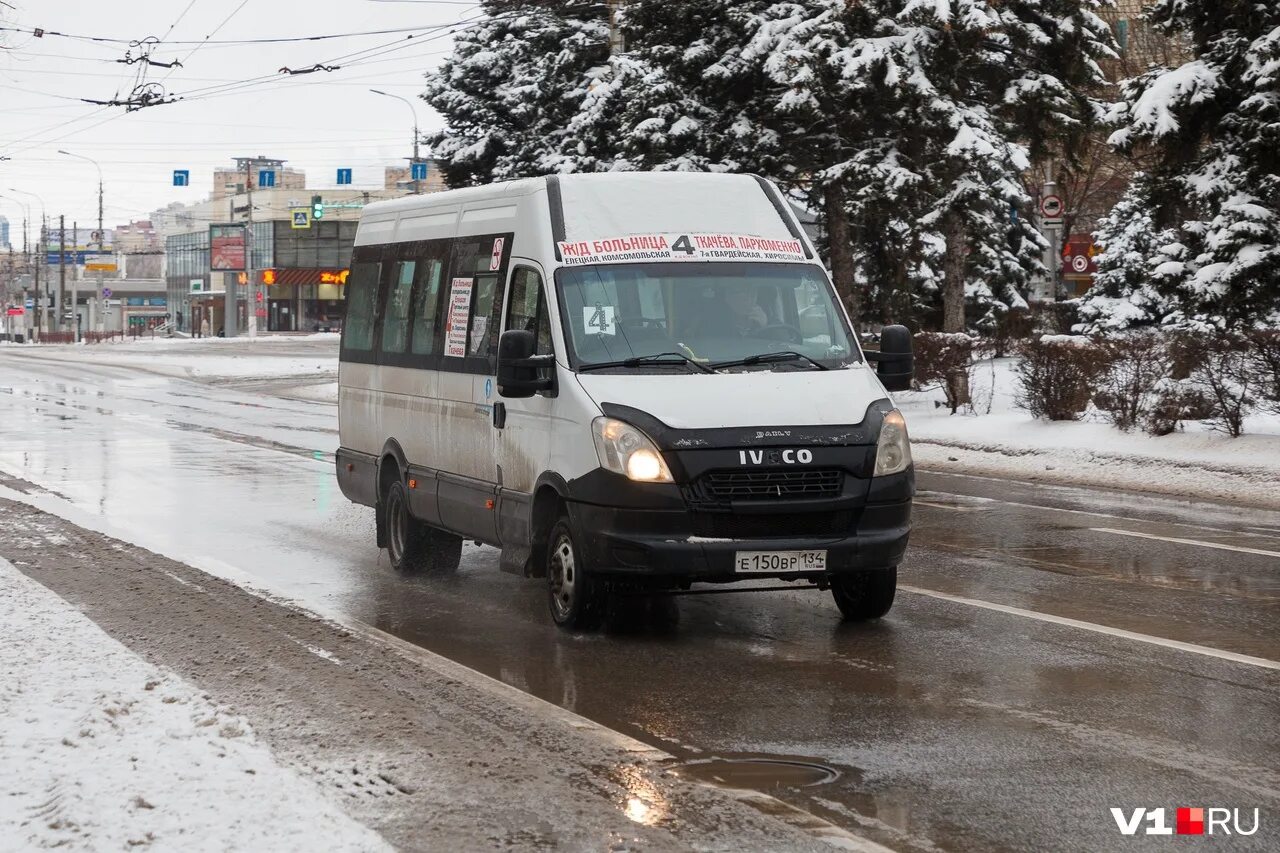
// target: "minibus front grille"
[[773, 525], [725, 486]]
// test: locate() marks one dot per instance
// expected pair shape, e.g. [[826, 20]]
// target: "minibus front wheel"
[[577, 598], [865, 595]]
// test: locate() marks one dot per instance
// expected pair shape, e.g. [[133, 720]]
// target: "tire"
[[865, 595], [413, 546], [575, 597]]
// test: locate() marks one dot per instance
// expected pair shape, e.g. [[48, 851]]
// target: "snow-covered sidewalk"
[[104, 751], [1001, 440]]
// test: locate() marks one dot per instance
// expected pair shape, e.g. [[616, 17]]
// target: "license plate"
[[769, 562]]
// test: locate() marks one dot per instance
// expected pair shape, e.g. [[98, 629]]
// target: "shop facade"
[[302, 272]]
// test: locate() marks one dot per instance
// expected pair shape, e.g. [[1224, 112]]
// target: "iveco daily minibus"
[[627, 382]]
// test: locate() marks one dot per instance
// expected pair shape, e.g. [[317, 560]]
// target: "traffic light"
[[317, 208]]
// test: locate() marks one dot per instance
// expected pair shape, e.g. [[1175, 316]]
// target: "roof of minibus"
[[505, 189], [619, 204]]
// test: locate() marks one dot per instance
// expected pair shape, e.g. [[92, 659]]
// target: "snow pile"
[[103, 751], [1003, 440]]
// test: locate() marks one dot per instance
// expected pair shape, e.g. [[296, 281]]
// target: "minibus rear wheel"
[[413, 546], [577, 598], [865, 595]]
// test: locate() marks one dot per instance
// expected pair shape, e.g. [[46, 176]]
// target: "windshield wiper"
[[662, 359], [771, 358]]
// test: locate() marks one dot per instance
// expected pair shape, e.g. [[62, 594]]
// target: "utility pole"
[[62, 267], [97, 311], [251, 288], [254, 295], [75, 279]]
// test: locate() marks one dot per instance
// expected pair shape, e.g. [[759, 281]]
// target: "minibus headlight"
[[893, 450], [625, 450]]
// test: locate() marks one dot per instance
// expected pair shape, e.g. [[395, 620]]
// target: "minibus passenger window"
[[395, 320], [362, 297], [426, 308], [486, 289]]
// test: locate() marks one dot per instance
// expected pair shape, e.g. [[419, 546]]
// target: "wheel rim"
[[397, 517], [564, 577]]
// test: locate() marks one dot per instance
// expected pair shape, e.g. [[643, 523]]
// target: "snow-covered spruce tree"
[[1125, 294], [922, 117], [512, 86], [1214, 125], [681, 96]]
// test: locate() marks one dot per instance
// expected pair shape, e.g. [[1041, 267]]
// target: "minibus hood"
[[753, 398]]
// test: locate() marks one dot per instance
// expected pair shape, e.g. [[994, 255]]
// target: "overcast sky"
[[317, 122]]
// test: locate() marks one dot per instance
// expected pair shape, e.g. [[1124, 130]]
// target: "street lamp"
[[97, 310], [415, 128]]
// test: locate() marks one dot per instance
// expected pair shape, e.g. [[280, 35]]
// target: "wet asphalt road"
[[972, 718]]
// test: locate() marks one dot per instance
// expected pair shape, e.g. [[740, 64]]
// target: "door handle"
[[500, 415]]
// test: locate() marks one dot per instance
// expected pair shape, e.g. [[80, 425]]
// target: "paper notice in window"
[[478, 329], [455, 342]]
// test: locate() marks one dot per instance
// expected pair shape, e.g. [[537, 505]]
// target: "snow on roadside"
[[1008, 442], [102, 750], [210, 359]]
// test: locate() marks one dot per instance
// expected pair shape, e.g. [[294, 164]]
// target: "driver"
[[745, 313]]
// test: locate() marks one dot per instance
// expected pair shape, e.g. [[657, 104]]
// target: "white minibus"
[[630, 382]]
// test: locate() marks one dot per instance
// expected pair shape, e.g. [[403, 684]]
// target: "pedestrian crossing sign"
[[301, 217]]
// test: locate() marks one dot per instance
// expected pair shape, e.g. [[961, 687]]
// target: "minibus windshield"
[[717, 314]]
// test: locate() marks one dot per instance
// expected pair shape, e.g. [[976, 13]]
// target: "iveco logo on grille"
[[775, 457]]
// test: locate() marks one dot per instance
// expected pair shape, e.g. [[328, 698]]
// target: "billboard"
[[226, 248]]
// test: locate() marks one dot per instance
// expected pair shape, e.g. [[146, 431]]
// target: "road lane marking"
[[1220, 546], [952, 507], [1128, 518], [1234, 657]]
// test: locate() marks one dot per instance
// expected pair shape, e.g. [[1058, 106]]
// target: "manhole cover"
[[758, 774]]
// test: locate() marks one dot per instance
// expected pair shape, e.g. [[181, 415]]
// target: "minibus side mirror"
[[895, 363], [518, 366]]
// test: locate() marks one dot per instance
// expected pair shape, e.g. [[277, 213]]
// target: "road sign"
[[266, 178], [181, 177], [30, 303], [106, 293], [1051, 207], [344, 176], [417, 171], [301, 217], [1079, 258]]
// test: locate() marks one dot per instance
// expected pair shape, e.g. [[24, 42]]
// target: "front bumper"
[[659, 545]]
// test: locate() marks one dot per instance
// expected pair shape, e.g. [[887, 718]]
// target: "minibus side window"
[[426, 307], [362, 301], [482, 304], [482, 260], [395, 313]]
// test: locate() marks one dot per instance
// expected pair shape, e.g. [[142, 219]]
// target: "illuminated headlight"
[[893, 450], [625, 450]]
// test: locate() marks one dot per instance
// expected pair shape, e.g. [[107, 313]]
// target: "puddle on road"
[[758, 773]]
